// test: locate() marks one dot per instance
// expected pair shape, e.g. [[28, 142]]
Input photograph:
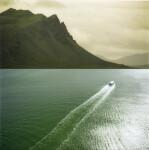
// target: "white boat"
[[111, 83]]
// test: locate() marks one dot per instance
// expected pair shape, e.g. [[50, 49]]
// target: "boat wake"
[[65, 129]]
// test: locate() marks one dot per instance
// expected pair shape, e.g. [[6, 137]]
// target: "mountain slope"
[[134, 60], [141, 66], [36, 41]]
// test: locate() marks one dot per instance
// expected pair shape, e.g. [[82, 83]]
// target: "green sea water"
[[74, 109]]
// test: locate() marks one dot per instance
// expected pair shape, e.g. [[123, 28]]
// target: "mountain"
[[141, 66], [35, 41], [135, 60]]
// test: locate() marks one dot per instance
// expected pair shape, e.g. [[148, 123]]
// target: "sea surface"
[[74, 109]]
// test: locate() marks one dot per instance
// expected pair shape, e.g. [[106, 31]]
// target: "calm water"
[[36, 109]]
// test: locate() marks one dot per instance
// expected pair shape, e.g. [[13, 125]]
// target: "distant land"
[[136, 61], [141, 66], [35, 41]]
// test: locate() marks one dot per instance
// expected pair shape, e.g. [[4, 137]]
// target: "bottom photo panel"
[[74, 109]]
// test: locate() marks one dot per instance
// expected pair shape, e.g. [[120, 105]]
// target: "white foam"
[[103, 93], [108, 91]]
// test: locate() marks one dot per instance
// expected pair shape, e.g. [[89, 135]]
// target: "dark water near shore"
[[33, 102]]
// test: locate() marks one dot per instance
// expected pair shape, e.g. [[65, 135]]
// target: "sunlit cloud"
[[47, 3]]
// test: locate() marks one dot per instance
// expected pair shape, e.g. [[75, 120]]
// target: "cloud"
[[30, 4], [5, 2], [113, 29], [49, 3]]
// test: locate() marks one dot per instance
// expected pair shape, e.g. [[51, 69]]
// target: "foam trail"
[[99, 102], [65, 128]]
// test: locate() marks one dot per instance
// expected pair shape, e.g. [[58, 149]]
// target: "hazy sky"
[[112, 29]]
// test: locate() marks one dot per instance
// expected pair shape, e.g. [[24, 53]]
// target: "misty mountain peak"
[[64, 28], [16, 13], [11, 10], [54, 19], [54, 16], [8, 11]]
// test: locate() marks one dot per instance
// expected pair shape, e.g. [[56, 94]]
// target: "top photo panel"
[[74, 34]]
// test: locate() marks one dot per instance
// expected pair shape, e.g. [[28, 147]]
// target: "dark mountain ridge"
[[36, 41]]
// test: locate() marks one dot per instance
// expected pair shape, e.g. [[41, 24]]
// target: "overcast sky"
[[112, 29]]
